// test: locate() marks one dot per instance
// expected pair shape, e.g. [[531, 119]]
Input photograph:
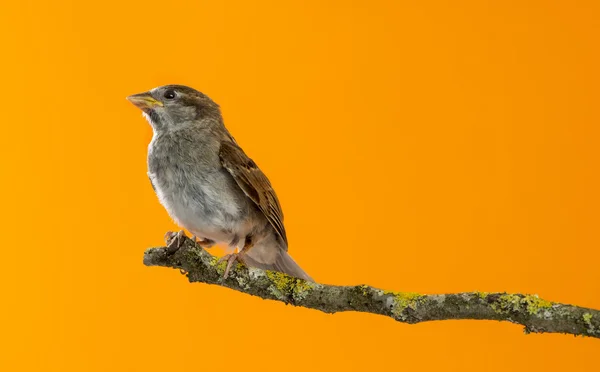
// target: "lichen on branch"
[[536, 314]]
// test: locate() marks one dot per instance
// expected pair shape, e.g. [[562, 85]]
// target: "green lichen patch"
[[402, 301], [482, 295], [219, 266], [280, 280], [535, 304], [286, 287], [514, 303], [507, 303], [591, 329], [364, 289], [242, 282], [193, 253]]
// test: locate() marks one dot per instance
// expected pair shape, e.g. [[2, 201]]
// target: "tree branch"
[[535, 314]]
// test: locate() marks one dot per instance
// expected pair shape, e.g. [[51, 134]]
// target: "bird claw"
[[230, 258], [168, 236], [174, 241]]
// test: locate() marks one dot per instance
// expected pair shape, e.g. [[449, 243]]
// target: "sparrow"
[[208, 184]]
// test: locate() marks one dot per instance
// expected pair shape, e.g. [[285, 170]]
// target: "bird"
[[207, 183]]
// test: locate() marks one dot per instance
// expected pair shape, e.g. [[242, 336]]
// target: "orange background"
[[417, 146]]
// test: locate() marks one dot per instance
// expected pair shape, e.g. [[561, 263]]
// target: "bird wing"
[[254, 183]]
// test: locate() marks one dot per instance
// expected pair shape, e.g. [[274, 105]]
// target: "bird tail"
[[283, 263]]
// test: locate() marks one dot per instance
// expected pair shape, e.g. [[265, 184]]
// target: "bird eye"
[[169, 94]]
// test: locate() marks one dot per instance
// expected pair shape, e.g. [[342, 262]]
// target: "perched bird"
[[208, 185]]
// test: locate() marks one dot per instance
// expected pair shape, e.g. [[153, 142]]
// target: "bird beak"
[[144, 101]]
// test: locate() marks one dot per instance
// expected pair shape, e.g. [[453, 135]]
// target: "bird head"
[[173, 107]]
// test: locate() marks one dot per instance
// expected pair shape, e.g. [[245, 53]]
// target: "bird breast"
[[196, 191]]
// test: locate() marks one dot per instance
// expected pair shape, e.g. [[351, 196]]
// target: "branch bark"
[[536, 314]]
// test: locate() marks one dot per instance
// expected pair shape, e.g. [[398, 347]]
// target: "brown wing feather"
[[254, 183]]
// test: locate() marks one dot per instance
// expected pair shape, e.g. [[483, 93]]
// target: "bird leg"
[[204, 243], [174, 241], [231, 258]]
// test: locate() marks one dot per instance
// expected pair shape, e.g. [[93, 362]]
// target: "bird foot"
[[174, 241], [230, 258]]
